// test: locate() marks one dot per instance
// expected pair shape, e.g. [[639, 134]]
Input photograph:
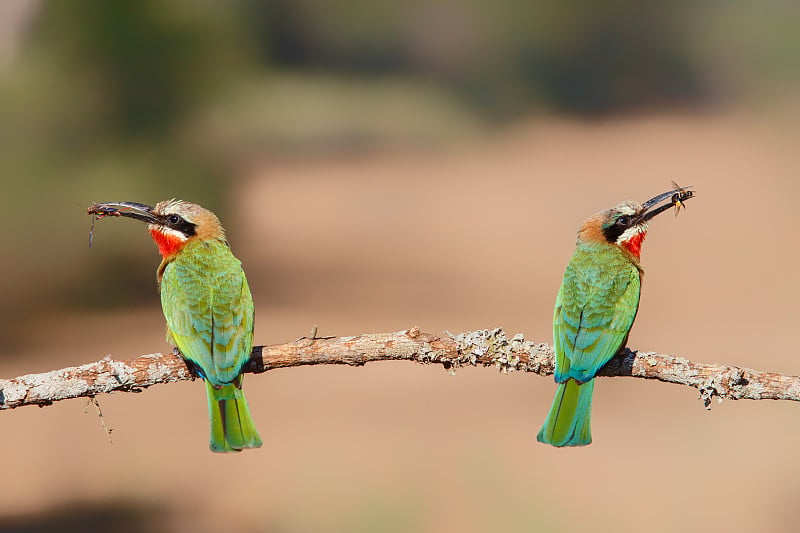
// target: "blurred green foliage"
[[146, 65], [97, 106], [502, 57]]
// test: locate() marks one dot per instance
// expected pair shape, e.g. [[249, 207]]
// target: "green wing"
[[595, 309], [209, 311]]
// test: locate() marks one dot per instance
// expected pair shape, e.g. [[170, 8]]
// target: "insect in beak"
[[680, 197], [118, 209]]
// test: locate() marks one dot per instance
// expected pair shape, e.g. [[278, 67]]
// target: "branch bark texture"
[[487, 348]]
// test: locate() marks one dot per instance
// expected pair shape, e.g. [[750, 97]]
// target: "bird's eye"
[[623, 221], [173, 219]]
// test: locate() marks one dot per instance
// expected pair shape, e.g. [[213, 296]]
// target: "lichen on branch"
[[486, 348]]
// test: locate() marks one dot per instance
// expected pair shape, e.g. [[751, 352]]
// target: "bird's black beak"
[[124, 209], [676, 197]]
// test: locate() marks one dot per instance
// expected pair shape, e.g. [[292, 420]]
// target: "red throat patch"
[[634, 244], [168, 244]]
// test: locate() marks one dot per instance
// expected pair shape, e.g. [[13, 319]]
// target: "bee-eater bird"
[[595, 309], [208, 307]]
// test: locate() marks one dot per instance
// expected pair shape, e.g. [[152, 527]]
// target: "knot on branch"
[[426, 353], [730, 383]]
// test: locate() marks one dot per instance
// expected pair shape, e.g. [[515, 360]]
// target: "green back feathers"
[[595, 309], [209, 309]]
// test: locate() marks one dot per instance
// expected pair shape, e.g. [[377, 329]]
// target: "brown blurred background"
[[381, 165]]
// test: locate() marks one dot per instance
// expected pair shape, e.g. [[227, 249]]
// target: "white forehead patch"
[[627, 208], [185, 210], [629, 233], [172, 207]]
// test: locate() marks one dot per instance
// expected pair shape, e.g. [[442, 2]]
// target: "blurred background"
[[380, 165]]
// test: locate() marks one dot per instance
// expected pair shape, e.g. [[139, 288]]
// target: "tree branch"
[[477, 348]]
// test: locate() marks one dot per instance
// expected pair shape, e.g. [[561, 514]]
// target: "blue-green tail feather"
[[569, 421], [232, 427]]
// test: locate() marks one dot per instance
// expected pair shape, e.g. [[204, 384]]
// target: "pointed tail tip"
[[572, 442], [225, 446]]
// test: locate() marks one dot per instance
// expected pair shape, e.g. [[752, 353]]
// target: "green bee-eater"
[[208, 307], [595, 309]]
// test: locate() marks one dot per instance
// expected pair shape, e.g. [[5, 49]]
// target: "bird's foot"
[[193, 369]]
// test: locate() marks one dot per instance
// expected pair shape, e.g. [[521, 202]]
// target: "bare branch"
[[477, 348]]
